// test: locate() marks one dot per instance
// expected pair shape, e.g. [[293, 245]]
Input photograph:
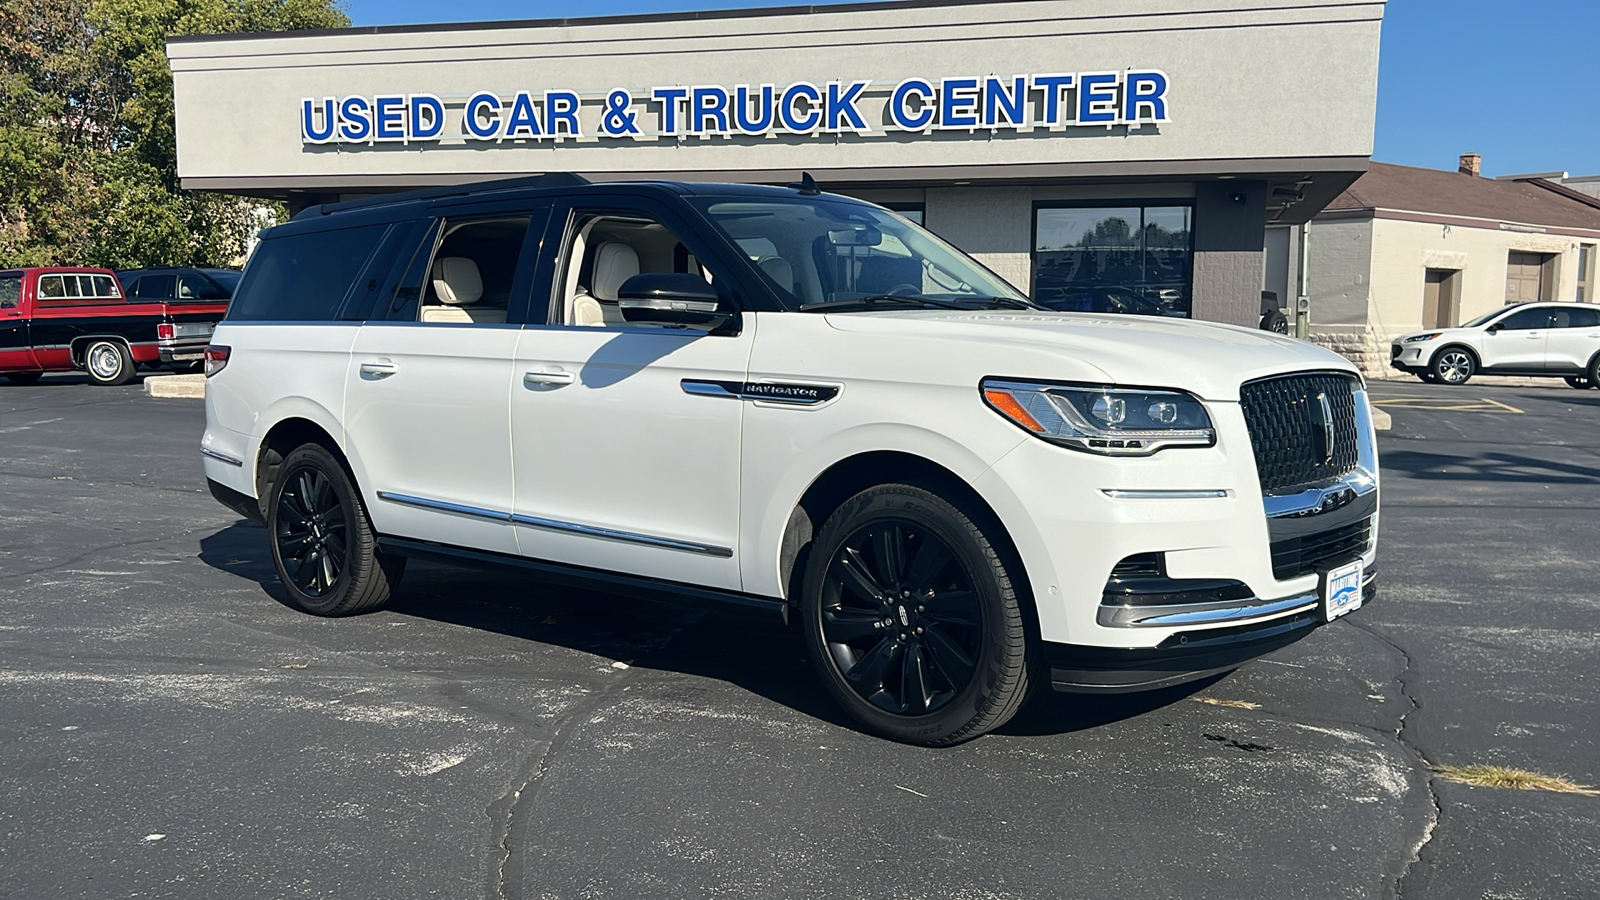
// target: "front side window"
[[826, 251], [10, 291], [1527, 319], [1116, 259], [303, 277], [605, 249]]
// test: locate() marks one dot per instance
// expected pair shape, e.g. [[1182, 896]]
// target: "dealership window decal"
[[1132, 97]]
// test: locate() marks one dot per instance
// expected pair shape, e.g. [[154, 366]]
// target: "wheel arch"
[[1477, 361], [853, 474], [281, 439], [80, 345]]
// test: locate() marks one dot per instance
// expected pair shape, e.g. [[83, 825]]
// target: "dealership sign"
[[1019, 102]]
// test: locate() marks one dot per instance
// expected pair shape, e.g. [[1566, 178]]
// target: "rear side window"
[[10, 291], [303, 277], [153, 287]]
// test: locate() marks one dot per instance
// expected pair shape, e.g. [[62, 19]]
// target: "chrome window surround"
[[557, 525]]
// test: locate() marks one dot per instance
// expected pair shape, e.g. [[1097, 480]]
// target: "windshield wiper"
[[878, 301]]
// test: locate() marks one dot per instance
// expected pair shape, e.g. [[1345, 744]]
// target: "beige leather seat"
[[614, 263], [458, 286]]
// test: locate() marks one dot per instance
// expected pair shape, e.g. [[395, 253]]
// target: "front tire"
[[1594, 370], [109, 363], [912, 618], [1453, 365], [323, 547]]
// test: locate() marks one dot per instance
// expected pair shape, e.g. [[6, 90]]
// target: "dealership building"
[[1170, 147]]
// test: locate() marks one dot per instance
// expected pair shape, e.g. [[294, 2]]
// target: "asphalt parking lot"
[[169, 728]]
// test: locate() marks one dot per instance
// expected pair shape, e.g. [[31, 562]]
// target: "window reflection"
[[1115, 259]]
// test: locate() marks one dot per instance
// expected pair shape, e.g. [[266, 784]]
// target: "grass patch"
[[1517, 779], [1231, 704]]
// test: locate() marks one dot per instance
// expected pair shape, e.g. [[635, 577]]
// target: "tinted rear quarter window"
[[153, 287], [303, 277], [10, 291]]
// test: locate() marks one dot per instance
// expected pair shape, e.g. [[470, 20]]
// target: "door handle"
[[556, 378], [379, 369]]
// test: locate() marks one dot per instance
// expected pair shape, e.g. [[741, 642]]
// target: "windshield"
[[1486, 317], [828, 251]]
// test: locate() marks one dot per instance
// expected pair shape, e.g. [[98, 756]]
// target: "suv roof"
[[551, 181]]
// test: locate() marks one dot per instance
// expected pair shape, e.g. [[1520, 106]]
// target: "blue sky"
[[1517, 82]]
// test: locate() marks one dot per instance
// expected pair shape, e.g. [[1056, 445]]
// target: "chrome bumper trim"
[[1202, 613], [221, 457]]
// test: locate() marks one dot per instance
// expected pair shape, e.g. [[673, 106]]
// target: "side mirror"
[[671, 298], [1496, 328]]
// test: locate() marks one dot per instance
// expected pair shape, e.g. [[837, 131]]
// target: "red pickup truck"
[[70, 319]]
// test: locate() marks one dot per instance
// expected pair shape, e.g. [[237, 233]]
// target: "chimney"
[[1471, 164]]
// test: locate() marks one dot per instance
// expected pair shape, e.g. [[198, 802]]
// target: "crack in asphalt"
[[1435, 810], [88, 483], [503, 812], [101, 549]]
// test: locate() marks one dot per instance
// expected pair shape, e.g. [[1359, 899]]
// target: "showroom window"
[[1116, 259]]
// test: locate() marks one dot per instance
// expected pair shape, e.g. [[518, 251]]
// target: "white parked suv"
[[1554, 340], [793, 401]]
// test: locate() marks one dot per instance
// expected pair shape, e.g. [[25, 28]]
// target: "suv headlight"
[[1417, 338], [1106, 420]]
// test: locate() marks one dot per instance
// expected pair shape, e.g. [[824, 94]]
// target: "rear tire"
[[912, 618], [323, 547], [109, 363], [1580, 382], [1453, 365], [24, 377], [1428, 377], [1594, 370]]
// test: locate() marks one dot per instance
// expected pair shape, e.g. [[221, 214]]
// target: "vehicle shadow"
[[755, 652], [1489, 466]]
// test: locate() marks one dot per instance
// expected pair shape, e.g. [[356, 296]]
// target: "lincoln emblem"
[[1325, 434]]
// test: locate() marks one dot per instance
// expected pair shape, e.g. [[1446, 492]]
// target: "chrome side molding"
[[221, 457], [611, 534]]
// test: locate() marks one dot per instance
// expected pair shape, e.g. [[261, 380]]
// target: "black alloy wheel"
[[312, 532], [912, 620], [323, 547], [900, 618]]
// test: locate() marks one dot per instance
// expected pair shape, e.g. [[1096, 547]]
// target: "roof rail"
[[546, 180]]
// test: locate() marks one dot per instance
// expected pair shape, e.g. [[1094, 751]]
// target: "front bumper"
[[1183, 656], [1409, 358]]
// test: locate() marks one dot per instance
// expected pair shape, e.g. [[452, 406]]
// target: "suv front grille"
[[1285, 419], [1294, 557]]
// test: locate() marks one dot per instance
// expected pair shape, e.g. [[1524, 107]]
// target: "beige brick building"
[[1406, 248]]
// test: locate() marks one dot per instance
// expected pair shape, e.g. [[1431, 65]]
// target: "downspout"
[[1302, 303]]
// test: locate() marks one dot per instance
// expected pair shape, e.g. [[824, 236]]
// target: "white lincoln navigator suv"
[[794, 401]]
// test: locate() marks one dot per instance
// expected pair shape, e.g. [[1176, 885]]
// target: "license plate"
[[1341, 591]]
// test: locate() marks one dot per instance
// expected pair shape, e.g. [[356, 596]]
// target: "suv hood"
[[1206, 358]]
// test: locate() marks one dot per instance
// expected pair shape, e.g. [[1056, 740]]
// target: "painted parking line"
[[1483, 404]]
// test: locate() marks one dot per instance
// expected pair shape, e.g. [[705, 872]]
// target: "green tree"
[[88, 159]]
